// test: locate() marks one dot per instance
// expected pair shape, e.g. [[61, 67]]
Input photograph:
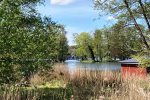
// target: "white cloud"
[[110, 18], [61, 2]]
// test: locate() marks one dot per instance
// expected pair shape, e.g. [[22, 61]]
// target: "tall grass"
[[106, 85], [87, 84], [83, 84]]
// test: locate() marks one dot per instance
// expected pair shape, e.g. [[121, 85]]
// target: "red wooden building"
[[131, 67]]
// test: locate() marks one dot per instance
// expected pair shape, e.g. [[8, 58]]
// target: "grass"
[[87, 61], [81, 85]]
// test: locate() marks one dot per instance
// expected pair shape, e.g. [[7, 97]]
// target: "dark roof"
[[129, 61]]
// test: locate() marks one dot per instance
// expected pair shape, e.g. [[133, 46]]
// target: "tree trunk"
[[91, 53], [144, 14], [136, 25]]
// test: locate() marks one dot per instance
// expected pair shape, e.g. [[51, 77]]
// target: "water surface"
[[75, 64]]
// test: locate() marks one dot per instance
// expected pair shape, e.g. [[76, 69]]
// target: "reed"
[[83, 84]]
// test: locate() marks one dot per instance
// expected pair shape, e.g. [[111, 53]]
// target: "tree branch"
[[136, 25], [144, 14]]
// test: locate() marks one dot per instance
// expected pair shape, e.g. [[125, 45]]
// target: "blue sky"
[[76, 15]]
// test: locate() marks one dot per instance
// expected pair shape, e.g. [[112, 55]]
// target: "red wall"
[[132, 69]]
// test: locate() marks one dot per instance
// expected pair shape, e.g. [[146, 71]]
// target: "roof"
[[129, 61]]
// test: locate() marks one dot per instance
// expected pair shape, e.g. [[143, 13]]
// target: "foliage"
[[116, 42], [144, 60], [129, 11], [28, 41], [83, 41], [98, 45], [123, 41], [62, 45]]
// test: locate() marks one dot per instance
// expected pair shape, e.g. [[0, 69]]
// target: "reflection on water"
[[74, 64]]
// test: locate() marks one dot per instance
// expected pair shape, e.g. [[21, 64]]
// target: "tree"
[[28, 41], [15, 38], [84, 45], [129, 11], [123, 41], [62, 45], [119, 42], [98, 45]]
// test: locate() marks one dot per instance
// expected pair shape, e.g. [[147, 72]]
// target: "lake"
[[74, 64]]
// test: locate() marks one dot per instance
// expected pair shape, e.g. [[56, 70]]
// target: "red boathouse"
[[131, 67]]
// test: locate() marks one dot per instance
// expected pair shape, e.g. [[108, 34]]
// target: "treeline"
[[129, 36], [29, 43], [109, 44]]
